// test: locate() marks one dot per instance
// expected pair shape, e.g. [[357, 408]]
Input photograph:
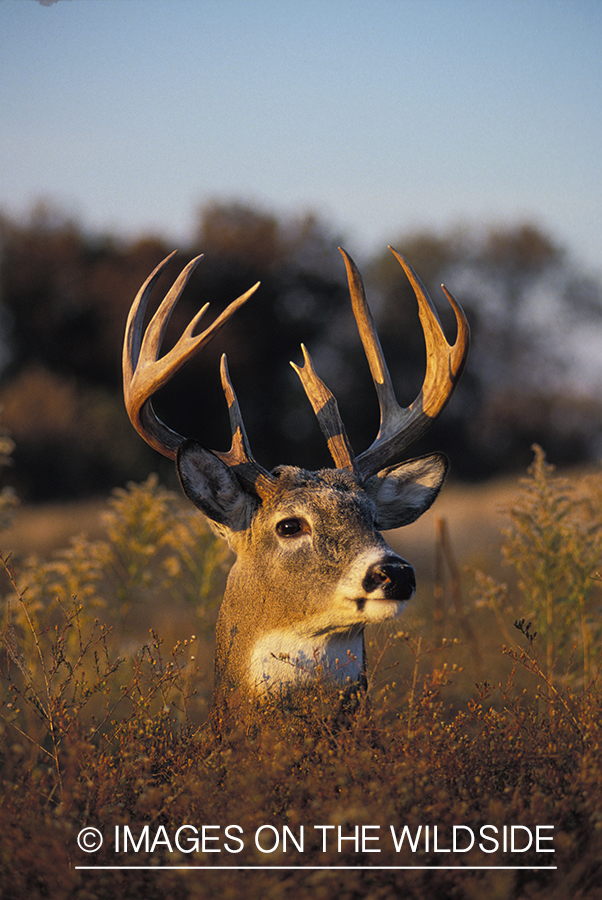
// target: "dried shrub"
[[554, 546], [508, 755]]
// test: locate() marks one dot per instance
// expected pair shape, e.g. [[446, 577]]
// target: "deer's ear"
[[403, 492], [211, 486]]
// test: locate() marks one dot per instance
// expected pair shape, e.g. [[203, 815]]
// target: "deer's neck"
[[282, 657]]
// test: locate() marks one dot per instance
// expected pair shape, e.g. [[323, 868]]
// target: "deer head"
[[312, 568]]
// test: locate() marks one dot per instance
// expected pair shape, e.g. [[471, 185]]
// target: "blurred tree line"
[[65, 295]]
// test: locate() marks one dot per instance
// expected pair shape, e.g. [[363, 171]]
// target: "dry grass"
[[89, 740], [41, 530]]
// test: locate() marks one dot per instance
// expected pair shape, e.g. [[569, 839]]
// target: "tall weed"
[[155, 550], [89, 739], [62, 670], [554, 547]]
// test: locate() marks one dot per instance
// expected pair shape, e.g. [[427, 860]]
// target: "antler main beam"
[[402, 426], [144, 372]]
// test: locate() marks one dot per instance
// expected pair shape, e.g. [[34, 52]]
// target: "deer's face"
[[312, 567], [313, 546]]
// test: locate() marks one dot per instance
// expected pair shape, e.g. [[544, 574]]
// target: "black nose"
[[394, 577]]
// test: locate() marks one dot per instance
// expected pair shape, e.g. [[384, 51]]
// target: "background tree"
[[526, 379], [65, 295]]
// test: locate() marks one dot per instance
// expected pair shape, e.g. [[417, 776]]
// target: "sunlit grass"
[[493, 717]]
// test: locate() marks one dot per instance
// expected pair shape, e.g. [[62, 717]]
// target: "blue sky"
[[381, 116]]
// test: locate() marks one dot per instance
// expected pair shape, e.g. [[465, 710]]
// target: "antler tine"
[[400, 426], [327, 411], [134, 331], [144, 372], [240, 457]]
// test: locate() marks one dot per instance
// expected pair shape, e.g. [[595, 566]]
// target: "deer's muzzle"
[[393, 577]]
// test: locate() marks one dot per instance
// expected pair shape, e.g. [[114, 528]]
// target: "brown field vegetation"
[[484, 709]]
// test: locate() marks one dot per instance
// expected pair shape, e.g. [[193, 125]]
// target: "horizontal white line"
[[333, 868]]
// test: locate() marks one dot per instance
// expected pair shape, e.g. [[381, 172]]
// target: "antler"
[[144, 372], [399, 426], [326, 409]]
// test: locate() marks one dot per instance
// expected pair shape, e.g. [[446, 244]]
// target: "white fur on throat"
[[280, 658]]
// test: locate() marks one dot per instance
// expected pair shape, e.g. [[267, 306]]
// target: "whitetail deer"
[[312, 569]]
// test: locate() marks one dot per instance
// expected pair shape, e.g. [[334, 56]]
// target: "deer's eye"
[[288, 528]]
